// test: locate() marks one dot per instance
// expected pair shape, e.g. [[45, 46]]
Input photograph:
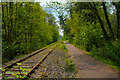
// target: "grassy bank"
[[109, 53]]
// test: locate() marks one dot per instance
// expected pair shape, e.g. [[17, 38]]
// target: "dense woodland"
[[91, 26], [94, 27], [26, 27]]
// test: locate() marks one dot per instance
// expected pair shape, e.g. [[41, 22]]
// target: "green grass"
[[70, 66], [63, 46], [106, 61], [17, 74]]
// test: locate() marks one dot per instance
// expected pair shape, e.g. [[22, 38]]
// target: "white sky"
[[50, 1], [43, 3], [60, 30]]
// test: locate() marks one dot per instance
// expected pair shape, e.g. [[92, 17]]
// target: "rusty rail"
[[30, 55], [26, 57], [32, 70]]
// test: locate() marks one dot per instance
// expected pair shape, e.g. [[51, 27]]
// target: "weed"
[[70, 66], [63, 46], [16, 74], [44, 75], [60, 65], [57, 59]]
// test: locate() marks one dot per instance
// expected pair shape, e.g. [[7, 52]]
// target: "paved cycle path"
[[89, 67]]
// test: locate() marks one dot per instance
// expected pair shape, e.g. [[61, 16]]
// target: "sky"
[[43, 4]]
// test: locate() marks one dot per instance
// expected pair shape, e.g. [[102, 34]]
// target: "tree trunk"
[[118, 25], [100, 21], [8, 22], [3, 18], [16, 17], [11, 20], [71, 12], [26, 40], [31, 32], [108, 22]]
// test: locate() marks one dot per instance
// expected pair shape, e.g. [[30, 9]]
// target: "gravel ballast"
[[54, 66]]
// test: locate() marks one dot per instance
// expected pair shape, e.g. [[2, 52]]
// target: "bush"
[[110, 51], [70, 66], [63, 46]]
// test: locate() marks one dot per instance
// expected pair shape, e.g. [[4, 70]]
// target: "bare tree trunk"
[[108, 22]]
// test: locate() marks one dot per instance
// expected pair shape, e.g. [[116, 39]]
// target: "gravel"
[[54, 66]]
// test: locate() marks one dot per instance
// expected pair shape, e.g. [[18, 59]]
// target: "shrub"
[[63, 46], [110, 51]]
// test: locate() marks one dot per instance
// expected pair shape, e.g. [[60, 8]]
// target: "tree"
[[25, 28], [117, 5], [100, 21], [108, 22]]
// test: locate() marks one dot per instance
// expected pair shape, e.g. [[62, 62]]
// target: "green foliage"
[[19, 64], [26, 27], [63, 46], [110, 52], [70, 66], [16, 74], [68, 41], [84, 29]]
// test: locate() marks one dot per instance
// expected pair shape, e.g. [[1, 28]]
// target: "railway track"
[[24, 67]]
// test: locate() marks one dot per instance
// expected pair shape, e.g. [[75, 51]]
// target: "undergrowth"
[[69, 64], [18, 74], [108, 53], [22, 55], [63, 46]]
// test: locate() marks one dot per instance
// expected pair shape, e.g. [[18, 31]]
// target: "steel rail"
[[30, 55], [24, 58], [40, 62]]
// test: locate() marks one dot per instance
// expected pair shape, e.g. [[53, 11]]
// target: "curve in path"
[[89, 67]]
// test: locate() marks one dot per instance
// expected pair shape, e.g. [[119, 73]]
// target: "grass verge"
[[106, 61], [69, 64], [63, 46]]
